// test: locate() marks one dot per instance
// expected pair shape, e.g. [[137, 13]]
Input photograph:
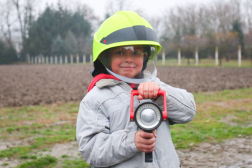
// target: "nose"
[[128, 57]]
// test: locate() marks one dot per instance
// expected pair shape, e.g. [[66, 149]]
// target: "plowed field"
[[44, 84]]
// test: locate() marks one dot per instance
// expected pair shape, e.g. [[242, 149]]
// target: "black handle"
[[148, 157]]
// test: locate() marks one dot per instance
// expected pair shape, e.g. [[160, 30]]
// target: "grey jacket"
[[106, 136]]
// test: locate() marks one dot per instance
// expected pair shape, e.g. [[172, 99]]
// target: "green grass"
[[77, 163], [43, 162], [5, 164], [204, 63], [195, 133], [14, 151], [215, 113], [56, 134], [223, 96], [220, 115]]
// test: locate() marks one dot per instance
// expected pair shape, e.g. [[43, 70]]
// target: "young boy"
[[123, 53]]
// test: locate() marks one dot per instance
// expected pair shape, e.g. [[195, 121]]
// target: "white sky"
[[149, 7]]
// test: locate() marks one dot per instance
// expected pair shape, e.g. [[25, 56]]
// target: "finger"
[[154, 133], [139, 97], [155, 91], [140, 89], [148, 151], [148, 147], [146, 90], [147, 141], [151, 91], [146, 135]]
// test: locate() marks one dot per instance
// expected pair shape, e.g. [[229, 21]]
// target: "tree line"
[[61, 31], [222, 24], [8, 54], [56, 31]]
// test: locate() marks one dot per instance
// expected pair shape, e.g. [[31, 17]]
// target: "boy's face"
[[127, 61]]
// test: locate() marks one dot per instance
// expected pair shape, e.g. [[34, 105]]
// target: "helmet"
[[121, 29], [124, 32]]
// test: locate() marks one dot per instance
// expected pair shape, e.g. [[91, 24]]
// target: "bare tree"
[[114, 6], [118, 5], [24, 11], [6, 21], [247, 6], [15, 15], [248, 47], [156, 23], [89, 15]]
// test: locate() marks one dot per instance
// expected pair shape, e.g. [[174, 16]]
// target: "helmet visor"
[[132, 64]]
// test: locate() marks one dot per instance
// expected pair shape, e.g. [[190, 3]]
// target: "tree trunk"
[[227, 58], [188, 61]]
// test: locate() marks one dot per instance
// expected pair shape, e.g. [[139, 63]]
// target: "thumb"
[[139, 97]]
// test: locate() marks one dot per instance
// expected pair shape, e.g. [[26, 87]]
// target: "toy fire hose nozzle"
[[148, 116]]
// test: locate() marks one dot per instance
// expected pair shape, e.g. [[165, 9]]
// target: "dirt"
[[14, 143], [46, 84], [195, 79], [233, 153]]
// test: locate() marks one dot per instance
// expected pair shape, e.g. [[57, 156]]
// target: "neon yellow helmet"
[[122, 29]]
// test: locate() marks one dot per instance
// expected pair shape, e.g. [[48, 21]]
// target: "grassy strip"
[[50, 137], [77, 163], [187, 136], [43, 162], [220, 115], [56, 124], [222, 96]]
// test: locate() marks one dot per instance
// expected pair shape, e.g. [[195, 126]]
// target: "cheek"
[[115, 64], [139, 63]]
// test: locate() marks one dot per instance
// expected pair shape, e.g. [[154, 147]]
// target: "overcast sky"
[[149, 7]]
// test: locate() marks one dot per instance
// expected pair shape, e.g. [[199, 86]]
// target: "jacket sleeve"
[[97, 145], [181, 106]]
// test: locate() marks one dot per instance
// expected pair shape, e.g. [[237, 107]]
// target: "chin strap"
[[105, 76]]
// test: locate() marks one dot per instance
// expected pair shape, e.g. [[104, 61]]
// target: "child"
[[123, 53]]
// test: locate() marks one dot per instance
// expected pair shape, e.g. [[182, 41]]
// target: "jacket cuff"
[[130, 141]]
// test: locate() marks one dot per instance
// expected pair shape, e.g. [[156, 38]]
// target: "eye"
[[137, 53], [119, 53]]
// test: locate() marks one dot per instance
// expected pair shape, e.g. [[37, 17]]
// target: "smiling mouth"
[[128, 67]]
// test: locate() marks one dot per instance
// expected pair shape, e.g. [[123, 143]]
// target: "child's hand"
[[148, 90], [145, 142]]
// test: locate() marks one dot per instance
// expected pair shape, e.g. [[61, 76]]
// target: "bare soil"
[[42, 84], [199, 79], [46, 84], [233, 153]]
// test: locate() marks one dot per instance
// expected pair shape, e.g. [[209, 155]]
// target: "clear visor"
[[132, 64]]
